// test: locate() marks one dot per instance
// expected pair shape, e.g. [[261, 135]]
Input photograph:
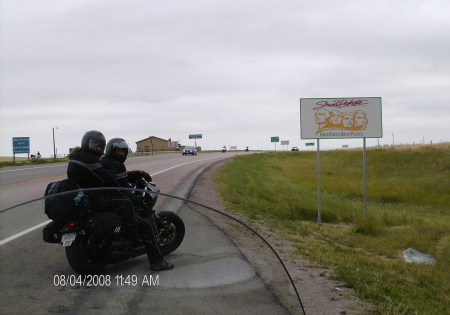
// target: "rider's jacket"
[[121, 174], [124, 178], [85, 168]]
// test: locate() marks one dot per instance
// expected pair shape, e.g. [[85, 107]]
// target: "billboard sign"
[[340, 118], [197, 136], [21, 145]]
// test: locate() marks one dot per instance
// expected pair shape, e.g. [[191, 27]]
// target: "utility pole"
[[54, 147]]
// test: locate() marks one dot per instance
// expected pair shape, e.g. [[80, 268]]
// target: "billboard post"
[[319, 217]]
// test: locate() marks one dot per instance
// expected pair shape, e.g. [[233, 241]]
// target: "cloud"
[[232, 70]]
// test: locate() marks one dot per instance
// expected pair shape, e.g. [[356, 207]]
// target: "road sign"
[[341, 118], [21, 145], [197, 136], [309, 144], [274, 139], [285, 142]]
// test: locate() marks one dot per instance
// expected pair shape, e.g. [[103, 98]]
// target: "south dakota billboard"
[[340, 118]]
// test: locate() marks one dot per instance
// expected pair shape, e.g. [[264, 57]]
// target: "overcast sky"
[[233, 71]]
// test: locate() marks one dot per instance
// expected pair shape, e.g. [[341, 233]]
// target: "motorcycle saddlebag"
[[50, 233], [61, 208], [105, 224]]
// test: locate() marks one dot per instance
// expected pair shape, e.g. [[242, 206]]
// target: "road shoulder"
[[318, 293]]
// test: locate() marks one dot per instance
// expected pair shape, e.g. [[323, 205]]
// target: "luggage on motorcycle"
[[104, 224], [50, 233], [61, 208]]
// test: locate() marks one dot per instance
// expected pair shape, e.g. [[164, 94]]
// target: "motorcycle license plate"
[[68, 238]]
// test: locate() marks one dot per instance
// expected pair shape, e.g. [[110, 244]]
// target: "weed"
[[408, 206]]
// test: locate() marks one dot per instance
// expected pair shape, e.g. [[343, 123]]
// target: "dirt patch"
[[319, 295]]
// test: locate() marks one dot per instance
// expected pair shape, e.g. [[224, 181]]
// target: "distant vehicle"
[[177, 149], [189, 150], [294, 149]]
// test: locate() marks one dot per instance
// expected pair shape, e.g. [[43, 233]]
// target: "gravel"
[[319, 294]]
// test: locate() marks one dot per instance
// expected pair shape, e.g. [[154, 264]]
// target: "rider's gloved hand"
[[134, 176], [146, 176]]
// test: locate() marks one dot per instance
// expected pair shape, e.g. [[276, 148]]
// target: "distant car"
[[177, 149], [294, 149], [189, 150]]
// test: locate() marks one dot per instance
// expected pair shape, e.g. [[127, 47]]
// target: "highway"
[[211, 275]]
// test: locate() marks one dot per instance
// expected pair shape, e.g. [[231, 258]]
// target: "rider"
[[115, 156], [85, 168]]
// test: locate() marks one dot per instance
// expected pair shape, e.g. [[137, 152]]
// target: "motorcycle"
[[95, 239]]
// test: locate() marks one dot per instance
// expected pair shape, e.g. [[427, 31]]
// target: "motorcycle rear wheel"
[[173, 233], [82, 258]]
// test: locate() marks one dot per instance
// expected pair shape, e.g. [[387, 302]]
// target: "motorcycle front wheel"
[[83, 256], [172, 233]]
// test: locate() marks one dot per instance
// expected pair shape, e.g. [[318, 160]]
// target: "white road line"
[[6, 240], [170, 168]]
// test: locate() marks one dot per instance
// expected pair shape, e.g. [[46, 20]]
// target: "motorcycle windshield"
[[222, 265]]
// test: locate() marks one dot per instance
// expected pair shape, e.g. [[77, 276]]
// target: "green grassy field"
[[408, 207], [8, 161]]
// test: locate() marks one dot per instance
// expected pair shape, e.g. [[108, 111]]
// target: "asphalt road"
[[210, 276]]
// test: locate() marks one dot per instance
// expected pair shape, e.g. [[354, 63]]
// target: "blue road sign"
[[198, 136], [21, 145]]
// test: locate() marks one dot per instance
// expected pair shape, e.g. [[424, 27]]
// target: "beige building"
[[155, 144]]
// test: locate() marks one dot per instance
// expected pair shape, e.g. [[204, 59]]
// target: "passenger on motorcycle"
[[115, 157]]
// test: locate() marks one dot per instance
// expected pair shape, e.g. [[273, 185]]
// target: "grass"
[[20, 162], [408, 207]]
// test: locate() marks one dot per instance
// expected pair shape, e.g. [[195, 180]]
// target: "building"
[[155, 144]]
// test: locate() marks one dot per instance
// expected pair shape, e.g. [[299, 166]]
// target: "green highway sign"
[[309, 144], [274, 139]]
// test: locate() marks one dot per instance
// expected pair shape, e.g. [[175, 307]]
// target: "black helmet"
[[94, 141], [113, 145]]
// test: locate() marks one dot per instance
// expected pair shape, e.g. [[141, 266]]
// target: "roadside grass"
[[32, 162], [408, 207]]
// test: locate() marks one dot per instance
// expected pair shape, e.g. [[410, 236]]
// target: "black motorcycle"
[[93, 239]]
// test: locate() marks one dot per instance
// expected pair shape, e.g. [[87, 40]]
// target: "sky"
[[232, 71]]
